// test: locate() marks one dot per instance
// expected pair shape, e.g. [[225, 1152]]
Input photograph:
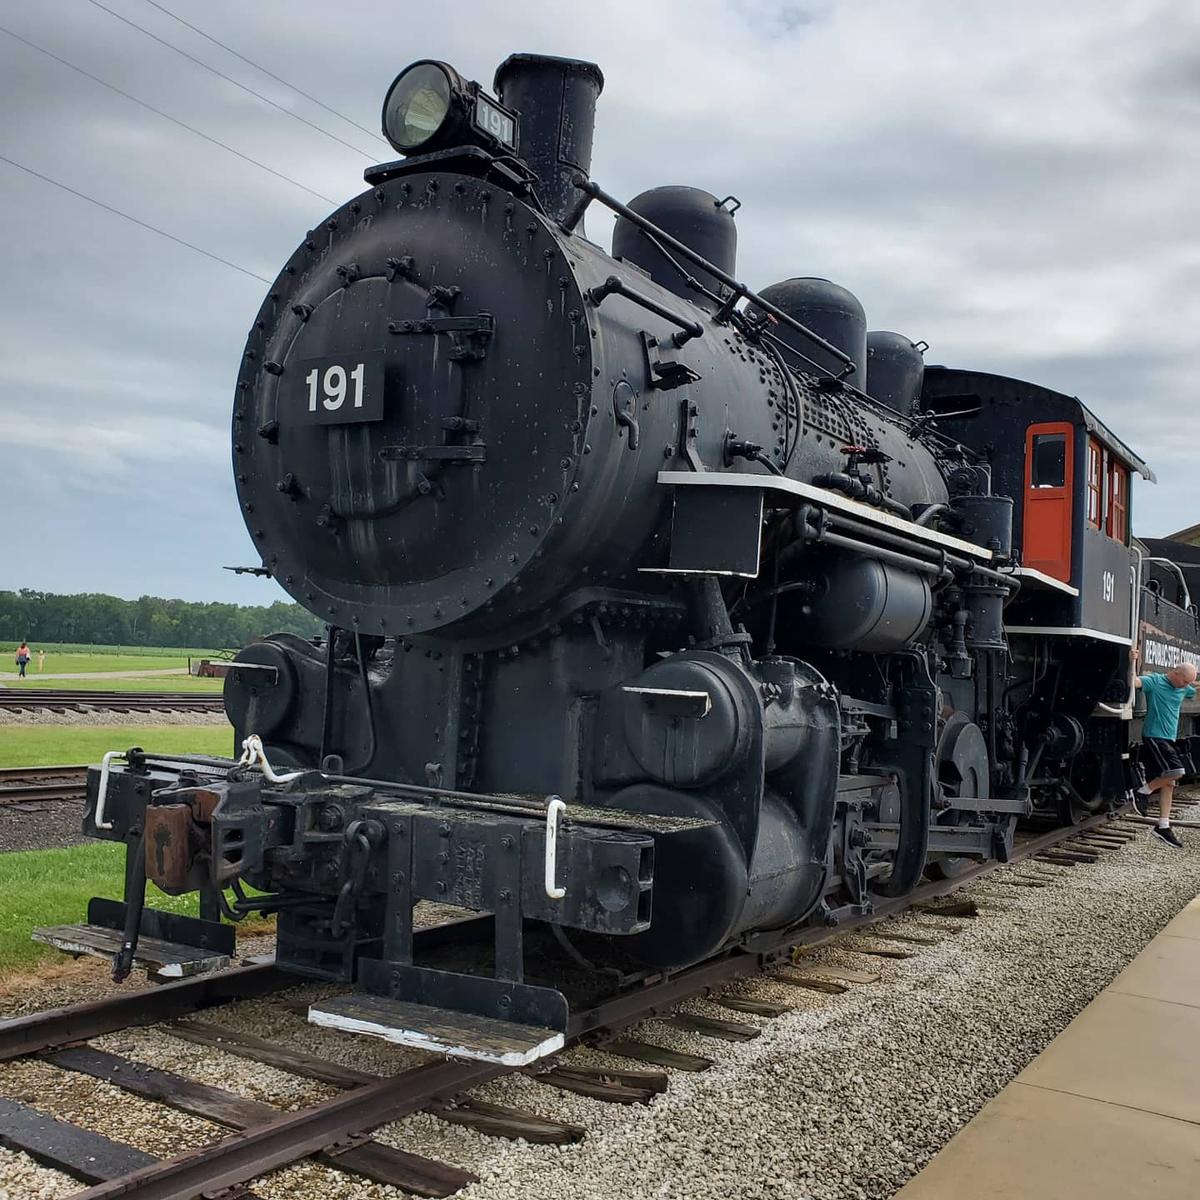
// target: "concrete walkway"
[[48, 675], [1109, 1110]]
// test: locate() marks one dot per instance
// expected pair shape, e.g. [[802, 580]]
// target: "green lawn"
[[59, 663], [105, 683], [52, 745], [52, 887], [121, 651]]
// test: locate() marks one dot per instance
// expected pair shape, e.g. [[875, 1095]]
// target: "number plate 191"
[[336, 391]]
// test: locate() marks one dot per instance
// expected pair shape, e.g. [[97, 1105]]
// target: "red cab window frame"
[[1095, 483], [1118, 501]]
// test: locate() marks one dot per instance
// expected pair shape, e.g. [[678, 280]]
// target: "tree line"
[[148, 621]]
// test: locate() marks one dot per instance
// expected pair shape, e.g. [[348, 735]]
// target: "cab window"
[[1118, 502], [1095, 484], [1048, 465]]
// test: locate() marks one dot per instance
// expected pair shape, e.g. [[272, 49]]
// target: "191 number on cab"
[[334, 391]]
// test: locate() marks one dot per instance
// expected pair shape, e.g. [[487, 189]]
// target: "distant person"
[[22, 659], [1164, 760], [41, 661]]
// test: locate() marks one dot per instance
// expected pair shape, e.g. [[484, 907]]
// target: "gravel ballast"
[[59, 823], [845, 1098]]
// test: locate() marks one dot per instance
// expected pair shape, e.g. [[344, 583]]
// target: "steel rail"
[[28, 774], [345, 1119]]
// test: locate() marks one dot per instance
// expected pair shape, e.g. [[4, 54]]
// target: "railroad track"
[[83, 699], [337, 1130], [35, 789]]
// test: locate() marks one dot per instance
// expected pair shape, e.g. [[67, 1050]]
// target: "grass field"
[[105, 683], [52, 745], [52, 887], [121, 651]]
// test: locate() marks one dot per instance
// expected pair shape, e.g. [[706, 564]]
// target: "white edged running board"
[[438, 1030], [163, 960]]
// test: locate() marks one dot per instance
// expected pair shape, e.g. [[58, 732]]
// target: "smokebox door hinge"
[[469, 336]]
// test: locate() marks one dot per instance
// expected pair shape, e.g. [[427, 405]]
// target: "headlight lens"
[[416, 106]]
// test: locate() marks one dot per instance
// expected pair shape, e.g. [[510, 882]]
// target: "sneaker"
[[1167, 834], [1138, 800]]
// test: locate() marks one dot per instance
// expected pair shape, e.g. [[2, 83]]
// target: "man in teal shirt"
[[1164, 759]]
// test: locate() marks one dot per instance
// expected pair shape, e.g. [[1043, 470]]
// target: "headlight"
[[417, 105], [431, 107]]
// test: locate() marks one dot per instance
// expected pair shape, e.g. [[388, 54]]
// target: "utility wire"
[[270, 74], [136, 221], [166, 116], [229, 79]]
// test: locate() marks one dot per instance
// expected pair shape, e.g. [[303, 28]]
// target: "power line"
[[164, 115], [229, 79], [136, 221], [270, 74]]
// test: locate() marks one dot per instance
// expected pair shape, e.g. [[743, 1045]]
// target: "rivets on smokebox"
[[303, 311], [348, 273], [331, 223], [355, 207], [269, 432], [379, 195], [273, 368]]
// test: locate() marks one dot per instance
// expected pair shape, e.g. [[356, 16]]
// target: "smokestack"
[[556, 100]]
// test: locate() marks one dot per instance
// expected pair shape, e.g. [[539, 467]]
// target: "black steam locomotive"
[[662, 613]]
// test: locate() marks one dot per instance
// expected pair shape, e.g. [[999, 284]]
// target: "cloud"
[[1013, 183]]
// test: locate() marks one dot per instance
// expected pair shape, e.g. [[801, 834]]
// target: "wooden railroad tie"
[[1133, 819], [371, 1159], [494, 1119], [640, 1051], [814, 983], [754, 1008], [604, 1083], [912, 938], [958, 908], [881, 951], [727, 1031]]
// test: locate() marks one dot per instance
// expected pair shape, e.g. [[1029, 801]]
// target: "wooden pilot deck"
[[457, 1034]]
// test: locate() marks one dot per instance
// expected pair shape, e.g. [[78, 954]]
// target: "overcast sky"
[[1015, 183]]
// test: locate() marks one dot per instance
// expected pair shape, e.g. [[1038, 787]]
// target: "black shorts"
[[1164, 759]]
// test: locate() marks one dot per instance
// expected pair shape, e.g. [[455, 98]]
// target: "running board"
[[440, 1030], [170, 946], [163, 960]]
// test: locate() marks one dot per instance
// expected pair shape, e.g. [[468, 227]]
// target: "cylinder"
[[863, 604], [829, 310], [895, 370], [690, 215], [555, 99]]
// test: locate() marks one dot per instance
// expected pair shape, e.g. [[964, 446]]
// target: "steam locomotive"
[[663, 614]]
